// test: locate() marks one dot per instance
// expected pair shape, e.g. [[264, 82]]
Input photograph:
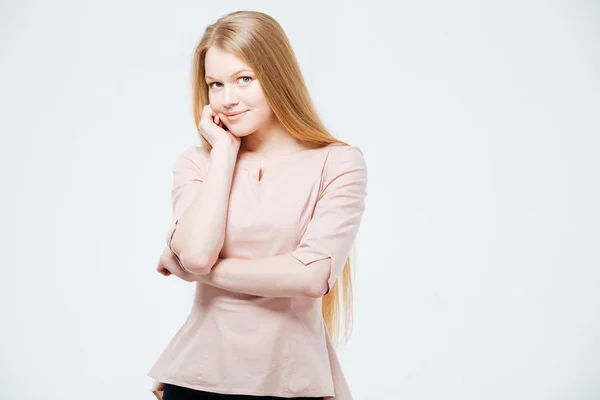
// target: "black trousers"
[[173, 392]]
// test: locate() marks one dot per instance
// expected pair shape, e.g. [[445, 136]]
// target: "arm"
[[198, 231], [312, 268], [277, 276]]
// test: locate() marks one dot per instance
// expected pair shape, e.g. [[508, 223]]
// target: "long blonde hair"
[[258, 40]]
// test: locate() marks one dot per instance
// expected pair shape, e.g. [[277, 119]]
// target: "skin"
[[233, 87], [231, 91]]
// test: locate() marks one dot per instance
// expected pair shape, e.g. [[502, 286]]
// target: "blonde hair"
[[258, 40]]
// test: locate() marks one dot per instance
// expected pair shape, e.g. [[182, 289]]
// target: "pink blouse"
[[309, 205]]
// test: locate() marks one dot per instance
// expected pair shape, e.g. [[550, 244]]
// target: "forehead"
[[221, 64]]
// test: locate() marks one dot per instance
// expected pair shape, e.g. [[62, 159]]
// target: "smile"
[[236, 116]]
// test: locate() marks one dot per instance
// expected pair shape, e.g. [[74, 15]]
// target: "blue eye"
[[249, 79]]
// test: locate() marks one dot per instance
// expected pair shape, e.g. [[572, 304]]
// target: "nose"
[[231, 97]]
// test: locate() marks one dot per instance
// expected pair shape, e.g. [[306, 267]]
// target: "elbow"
[[198, 264], [316, 290], [317, 282], [317, 287], [195, 262]]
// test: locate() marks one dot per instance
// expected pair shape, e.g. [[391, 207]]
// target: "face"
[[234, 89]]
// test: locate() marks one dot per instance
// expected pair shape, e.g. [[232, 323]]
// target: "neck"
[[270, 140]]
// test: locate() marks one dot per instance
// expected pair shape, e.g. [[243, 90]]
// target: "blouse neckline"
[[279, 159]]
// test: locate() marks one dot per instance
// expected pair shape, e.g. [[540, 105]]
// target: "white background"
[[478, 255]]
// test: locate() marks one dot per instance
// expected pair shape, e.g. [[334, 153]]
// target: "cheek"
[[255, 97], [258, 102], [213, 101], [261, 116]]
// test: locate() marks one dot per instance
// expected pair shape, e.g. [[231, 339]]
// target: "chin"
[[241, 132]]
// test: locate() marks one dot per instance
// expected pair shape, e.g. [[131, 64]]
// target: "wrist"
[[226, 148], [224, 156]]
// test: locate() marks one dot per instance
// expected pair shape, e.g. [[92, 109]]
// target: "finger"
[[209, 110], [169, 261], [160, 266]]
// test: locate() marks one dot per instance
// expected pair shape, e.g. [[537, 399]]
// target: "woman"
[[265, 214]]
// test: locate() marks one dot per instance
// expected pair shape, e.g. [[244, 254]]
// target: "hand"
[[211, 128], [168, 264]]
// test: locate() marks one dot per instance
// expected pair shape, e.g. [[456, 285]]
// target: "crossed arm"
[[276, 276], [308, 271]]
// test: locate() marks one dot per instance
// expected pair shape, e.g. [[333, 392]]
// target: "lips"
[[235, 116], [234, 113]]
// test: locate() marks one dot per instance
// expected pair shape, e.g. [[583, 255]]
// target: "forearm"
[[200, 232], [277, 276]]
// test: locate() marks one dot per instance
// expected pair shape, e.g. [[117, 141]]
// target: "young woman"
[[265, 215]]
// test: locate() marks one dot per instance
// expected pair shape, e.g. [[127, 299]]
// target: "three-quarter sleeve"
[[188, 175], [332, 230]]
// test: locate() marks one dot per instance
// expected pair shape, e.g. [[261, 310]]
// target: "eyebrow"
[[235, 73]]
